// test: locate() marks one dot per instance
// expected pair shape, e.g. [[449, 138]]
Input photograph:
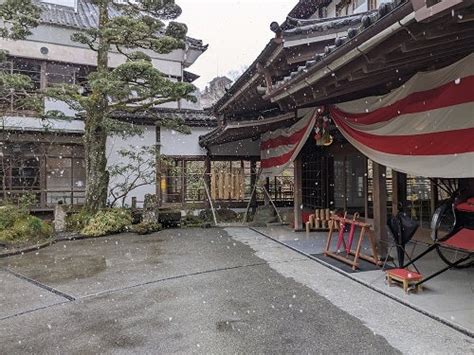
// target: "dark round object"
[[275, 27], [338, 42], [384, 9], [444, 220], [44, 50], [366, 21], [352, 32]]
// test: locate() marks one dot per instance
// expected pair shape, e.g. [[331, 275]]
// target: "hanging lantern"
[[322, 135]]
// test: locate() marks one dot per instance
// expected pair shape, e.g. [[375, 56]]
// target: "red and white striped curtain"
[[279, 148], [424, 128]]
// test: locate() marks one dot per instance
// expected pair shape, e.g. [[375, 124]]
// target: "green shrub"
[[9, 214], [192, 221], [146, 228], [222, 215], [17, 226], [106, 222], [75, 222]]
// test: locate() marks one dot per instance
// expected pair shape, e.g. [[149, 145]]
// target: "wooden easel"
[[350, 256], [254, 190]]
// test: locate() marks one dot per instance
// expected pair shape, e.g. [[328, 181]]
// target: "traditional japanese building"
[[46, 158], [306, 97]]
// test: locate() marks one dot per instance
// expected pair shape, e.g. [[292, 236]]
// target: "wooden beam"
[[395, 197], [380, 208], [159, 194], [298, 193], [207, 178]]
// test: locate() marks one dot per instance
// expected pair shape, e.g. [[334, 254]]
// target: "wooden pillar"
[[402, 188], [207, 178], [395, 191], [158, 167], [366, 189], [43, 179], [298, 194], [433, 197], [344, 182], [253, 181], [183, 182], [265, 196], [380, 208]]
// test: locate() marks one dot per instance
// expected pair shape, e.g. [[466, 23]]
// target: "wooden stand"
[[320, 221], [352, 257], [406, 277]]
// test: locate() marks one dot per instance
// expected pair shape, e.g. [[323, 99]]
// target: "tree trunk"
[[97, 176], [95, 135]]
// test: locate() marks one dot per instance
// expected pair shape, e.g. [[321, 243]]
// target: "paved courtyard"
[[200, 291]]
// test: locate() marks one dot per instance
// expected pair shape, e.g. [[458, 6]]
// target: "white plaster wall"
[[77, 55], [116, 143], [33, 124], [176, 144], [70, 3], [61, 106], [362, 8], [331, 9]]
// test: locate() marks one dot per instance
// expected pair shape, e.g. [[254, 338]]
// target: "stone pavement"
[[199, 291], [449, 296]]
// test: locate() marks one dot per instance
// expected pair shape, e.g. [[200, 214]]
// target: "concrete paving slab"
[[409, 331], [246, 310], [449, 296], [91, 266], [19, 296]]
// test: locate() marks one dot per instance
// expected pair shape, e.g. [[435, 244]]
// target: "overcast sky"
[[236, 31]]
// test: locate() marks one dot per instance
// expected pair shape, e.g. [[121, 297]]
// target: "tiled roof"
[[325, 24], [360, 22], [86, 17], [190, 117]]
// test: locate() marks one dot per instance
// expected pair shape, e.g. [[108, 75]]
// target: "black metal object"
[[459, 220], [402, 228]]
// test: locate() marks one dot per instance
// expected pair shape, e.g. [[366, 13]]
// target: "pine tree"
[[17, 18], [133, 28]]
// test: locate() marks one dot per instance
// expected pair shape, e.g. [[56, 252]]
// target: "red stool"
[[404, 276]]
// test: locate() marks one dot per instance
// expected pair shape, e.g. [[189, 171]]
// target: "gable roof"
[[86, 17]]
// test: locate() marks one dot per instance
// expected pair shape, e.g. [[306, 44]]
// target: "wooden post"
[[214, 178], [298, 194], [380, 208], [266, 198], [221, 185], [242, 180], [402, 188], [433, 197], [183, 182], [43, 180], [207, 177], [158, 167], [395, 190], [253, 181], [366, 189]]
